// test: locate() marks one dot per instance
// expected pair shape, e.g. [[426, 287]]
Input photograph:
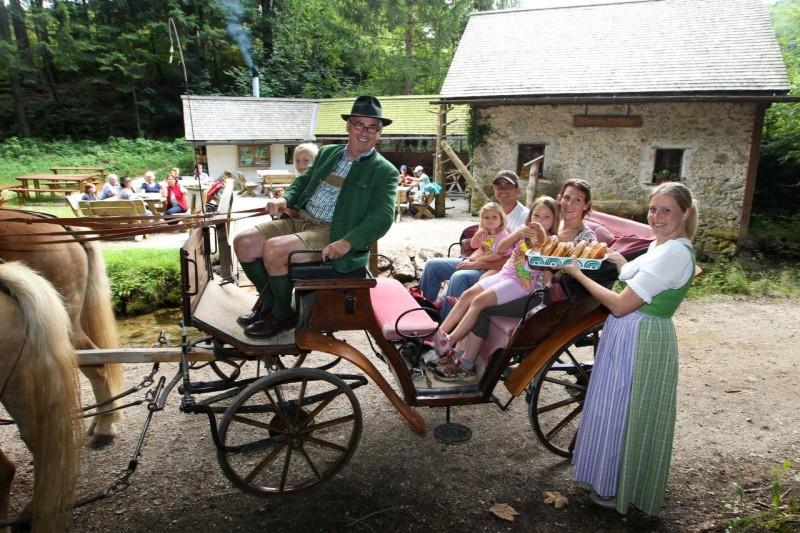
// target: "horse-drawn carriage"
[[297, 424]]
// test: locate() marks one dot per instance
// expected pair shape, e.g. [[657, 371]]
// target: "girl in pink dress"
[[514, 281]]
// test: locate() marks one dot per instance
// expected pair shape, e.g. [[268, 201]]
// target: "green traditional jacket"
[[364, 211]]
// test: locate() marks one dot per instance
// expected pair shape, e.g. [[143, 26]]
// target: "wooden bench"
[[273, 179], [113, 208]]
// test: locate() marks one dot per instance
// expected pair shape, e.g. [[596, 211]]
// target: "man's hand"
[[276, 206], [336, 249]]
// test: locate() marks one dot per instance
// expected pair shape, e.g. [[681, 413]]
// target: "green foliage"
[[782, 514], [101, 68], [125, 157], [776, 236], [778, 185], [759, 279], [143, 280], [477, 131]]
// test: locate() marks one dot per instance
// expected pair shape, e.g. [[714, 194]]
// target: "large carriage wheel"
[[288, 431], [559, 390]]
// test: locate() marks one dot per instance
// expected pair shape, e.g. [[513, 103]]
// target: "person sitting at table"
[[111, 188], [126, 190], [406, 178], [149, 184], [175, 196], [303, 156], [89, 192], [199, 174]]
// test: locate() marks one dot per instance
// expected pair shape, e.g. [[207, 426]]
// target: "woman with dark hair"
[[624, 443], [175, 195]]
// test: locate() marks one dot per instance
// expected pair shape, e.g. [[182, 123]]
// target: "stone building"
[[624, 95]]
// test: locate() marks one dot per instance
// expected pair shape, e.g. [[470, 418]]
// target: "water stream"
[[143, 330]]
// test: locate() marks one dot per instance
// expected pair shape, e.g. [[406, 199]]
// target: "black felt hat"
[[368, 106]]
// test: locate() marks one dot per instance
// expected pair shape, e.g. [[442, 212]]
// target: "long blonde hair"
[[683, 197], [496, 207]]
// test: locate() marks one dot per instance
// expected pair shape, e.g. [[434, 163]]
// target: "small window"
[[527, 153], [288, 153], [668, 165], [256, 156]]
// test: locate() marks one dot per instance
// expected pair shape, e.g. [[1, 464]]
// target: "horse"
[[77, 271], [40, 392]]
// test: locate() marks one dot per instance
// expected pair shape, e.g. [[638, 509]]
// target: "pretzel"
[[550, 245]]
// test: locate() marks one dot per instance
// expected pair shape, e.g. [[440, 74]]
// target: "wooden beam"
[[752, 172], [607, 121], [476, 187], [438, 164]]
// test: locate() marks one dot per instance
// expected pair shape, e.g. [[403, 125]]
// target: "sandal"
[[450, 369], [441, 342]]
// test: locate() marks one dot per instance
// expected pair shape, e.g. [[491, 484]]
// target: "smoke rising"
[[234, 13]]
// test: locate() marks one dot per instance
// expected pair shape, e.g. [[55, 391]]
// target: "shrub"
[[143, 280]]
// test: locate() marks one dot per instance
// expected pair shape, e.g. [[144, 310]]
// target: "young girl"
[[491, 230], [512, 282]]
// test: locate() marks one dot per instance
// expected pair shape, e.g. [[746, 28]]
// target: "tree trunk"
[[48, 67], [136, 112], [21, 33], [409, 46], [16, 88]]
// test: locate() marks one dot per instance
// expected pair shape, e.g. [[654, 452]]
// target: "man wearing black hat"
[[343, 202]]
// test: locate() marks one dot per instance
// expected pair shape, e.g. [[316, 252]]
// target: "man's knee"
[[248, 245], [462, 280]]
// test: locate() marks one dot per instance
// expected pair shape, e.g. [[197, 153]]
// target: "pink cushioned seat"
[[390, 300]]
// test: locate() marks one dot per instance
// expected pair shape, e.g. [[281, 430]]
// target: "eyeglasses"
[[360, 126], [505, 186]]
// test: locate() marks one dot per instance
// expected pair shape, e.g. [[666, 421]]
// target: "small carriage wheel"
[[288, 431], [559, 390]]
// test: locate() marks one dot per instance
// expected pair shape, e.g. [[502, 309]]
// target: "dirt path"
[[738, 406]]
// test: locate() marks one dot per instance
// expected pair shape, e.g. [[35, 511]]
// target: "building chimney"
[[254, 74]]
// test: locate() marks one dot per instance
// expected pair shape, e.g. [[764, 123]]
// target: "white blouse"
[[663, 267]]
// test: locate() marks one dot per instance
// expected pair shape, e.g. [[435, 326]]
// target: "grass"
[[125, 157], [754, 278], [774, 507], [143, 280]]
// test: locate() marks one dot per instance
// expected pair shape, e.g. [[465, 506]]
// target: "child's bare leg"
[[460, 308], [484, 300]]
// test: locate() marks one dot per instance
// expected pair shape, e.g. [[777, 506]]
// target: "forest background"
[[87, 70]]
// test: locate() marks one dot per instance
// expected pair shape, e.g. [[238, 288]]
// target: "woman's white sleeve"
[[668, 266]]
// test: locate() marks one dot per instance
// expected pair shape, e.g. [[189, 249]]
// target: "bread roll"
[[560, 250], [551, 244], [536, 243], [578, 250], [587, 251], [599, 251], [569, 248]]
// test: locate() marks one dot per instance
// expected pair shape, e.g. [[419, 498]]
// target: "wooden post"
[[438, 164], [476, 187], [533, 179]]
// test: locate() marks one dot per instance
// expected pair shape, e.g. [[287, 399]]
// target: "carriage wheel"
[[559, 390], [288, 431]]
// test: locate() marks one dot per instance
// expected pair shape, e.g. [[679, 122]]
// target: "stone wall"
[[618, 162]]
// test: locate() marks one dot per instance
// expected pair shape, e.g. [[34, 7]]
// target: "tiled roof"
[[411, 116], [641, 47], [224, 118]]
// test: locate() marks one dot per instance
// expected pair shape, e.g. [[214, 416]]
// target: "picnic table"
[[39, 184], [98, 171]]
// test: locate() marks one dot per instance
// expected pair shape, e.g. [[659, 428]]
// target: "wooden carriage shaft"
[[139, 355]]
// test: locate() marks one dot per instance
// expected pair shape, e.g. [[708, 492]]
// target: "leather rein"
[[109, 228]]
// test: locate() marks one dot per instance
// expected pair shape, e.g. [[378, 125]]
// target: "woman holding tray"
[[624, 442]]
